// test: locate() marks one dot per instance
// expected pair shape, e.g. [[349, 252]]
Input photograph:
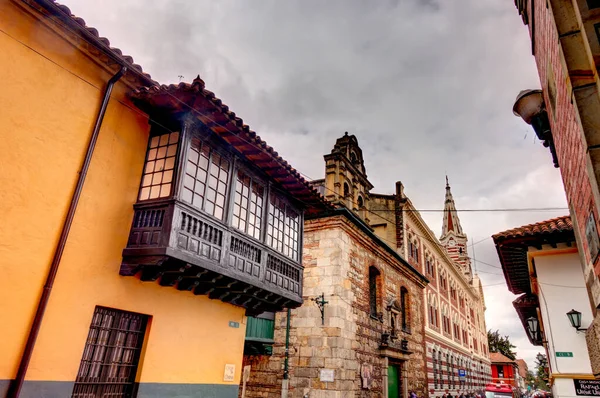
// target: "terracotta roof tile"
[[559, 224], [63, 13], [217, 116], [496, 357]]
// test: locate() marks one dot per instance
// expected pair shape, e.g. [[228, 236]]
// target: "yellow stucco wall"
[[47, 110]]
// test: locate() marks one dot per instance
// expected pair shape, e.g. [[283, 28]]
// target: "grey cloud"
[[427, 86]]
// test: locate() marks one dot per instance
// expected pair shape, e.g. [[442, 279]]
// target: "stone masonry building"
[[403, 310]]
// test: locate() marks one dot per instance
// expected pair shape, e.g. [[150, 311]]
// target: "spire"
[[451, 221]]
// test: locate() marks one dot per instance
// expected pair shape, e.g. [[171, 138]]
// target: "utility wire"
[[373, 211]]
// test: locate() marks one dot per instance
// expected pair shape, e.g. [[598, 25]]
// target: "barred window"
[[205, 180], [283, 232], [111, 354], [158, 171], [248, 205]]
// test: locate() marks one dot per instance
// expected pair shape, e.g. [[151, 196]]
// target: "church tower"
[[346, 181], [453, 239]]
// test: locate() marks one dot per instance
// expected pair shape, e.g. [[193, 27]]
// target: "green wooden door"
[[393, 382]]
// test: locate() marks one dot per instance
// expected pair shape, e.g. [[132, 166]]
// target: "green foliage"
[[501, 344], [541, 367]]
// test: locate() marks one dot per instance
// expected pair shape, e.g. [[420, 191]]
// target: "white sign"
[[229, 372], [326, 375]]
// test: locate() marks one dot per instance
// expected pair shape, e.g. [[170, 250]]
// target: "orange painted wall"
[[48, 104]]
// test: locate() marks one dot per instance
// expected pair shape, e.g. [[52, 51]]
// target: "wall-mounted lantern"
[[575, 319], [530, 107]]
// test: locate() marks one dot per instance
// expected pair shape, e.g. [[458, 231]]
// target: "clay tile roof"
[[61, 12], [512, 246], [522, 367], [558, 224], [213, 113], [496, 357]]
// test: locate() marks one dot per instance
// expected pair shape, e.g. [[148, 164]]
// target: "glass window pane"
[[154, 142], [173, 138]]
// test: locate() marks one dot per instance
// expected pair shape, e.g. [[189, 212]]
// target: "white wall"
[[562, 288]]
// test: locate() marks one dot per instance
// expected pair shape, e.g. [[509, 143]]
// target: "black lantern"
[[530, 107], [575, 319], [533, 326]]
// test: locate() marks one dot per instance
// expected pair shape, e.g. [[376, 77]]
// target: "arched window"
[[360, 202], [346, 189], [405, 305], [374, 276], [353, 158]]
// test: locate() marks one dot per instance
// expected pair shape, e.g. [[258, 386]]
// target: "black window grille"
[[111, 354]]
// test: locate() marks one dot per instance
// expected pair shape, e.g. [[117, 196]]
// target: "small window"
[[346, 189], [248, 205], [353, 158], [111, 354], [374, 276], [205, 180], [160, 164], [360, 202], [283, 232], [405, 308]]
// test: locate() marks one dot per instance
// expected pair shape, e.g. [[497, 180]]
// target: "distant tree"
[[541, 367], [501, 344], [530, 379]]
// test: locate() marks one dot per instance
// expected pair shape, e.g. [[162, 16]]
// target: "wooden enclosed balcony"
[[176, 245]]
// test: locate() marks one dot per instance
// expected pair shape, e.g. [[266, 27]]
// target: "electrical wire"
[[373, 211]]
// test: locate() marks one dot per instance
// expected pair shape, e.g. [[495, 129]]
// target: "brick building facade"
[[566, 45]]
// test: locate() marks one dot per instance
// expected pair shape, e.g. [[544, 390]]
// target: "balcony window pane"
[[159, 159], [284, 228], [206, 179], [248, 205]]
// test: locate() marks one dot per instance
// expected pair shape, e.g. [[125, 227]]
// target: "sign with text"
[[229, 374], [588, 388], [564, 354], [462, 373], [326, 375]]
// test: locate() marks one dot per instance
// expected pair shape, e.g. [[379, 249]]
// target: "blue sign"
[[462, 373]]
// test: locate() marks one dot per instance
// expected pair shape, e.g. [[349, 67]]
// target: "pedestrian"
[[449, 395]]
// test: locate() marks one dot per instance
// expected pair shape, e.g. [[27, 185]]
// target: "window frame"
[[374, 281], [99, 332]]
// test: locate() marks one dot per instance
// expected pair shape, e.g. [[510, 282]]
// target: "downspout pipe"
[[17, 383]]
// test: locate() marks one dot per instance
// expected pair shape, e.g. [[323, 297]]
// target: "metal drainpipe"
[[286, 374], [17, 383]]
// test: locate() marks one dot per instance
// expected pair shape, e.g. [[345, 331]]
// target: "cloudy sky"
[[427, 86]]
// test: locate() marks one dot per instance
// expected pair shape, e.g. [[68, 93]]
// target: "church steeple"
[[453, 239], [451, 221]]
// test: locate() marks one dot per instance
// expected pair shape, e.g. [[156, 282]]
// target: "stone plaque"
[[326, 375], [366, 375], [229, 374], [589, 388]]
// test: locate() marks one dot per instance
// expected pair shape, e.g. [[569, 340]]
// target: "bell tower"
[[346, 181], [453, 239]]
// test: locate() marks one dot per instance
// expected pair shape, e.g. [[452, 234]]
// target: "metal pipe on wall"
[[17, 384]]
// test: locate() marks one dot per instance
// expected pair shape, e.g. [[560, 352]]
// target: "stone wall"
[[337, 257]]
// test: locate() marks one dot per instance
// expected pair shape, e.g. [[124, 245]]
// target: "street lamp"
[[575, 319], [530, 107], [533, 325]]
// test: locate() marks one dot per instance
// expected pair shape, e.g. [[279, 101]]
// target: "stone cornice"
[[354, 226]]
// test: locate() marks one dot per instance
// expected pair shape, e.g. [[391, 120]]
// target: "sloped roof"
[[496, 357], [512, 246], [522, 367], [93, 44], [195, 99], [554, 225]]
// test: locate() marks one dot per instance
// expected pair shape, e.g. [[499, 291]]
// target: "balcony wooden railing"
[[180, 246]]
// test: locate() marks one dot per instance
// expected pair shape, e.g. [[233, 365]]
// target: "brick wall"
[[566, 128]]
